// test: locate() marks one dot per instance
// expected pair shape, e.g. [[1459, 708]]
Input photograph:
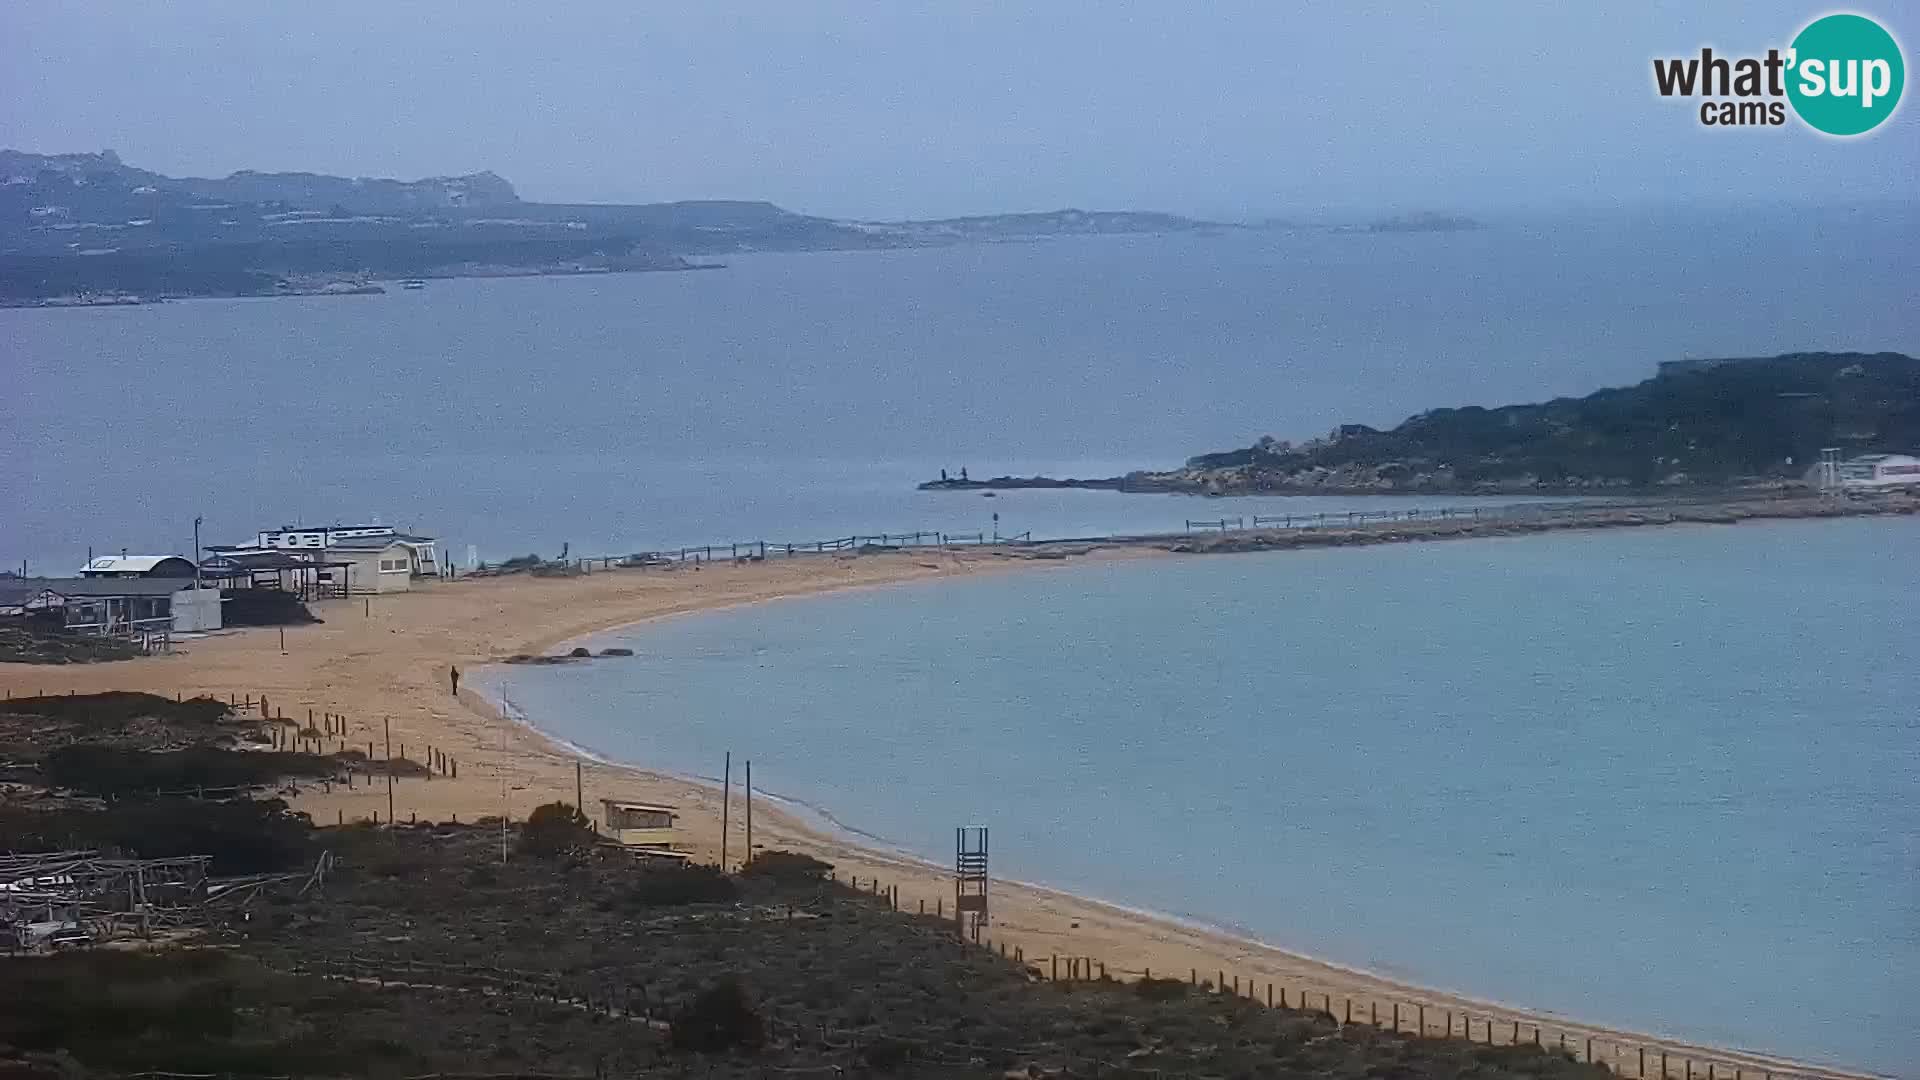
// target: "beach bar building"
[[421, 552], [374, 564], [640, 825], [307, 574]]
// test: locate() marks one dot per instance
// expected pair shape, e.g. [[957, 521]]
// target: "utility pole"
[[196, 554], [726, 805], [749, 857], [503, 794]]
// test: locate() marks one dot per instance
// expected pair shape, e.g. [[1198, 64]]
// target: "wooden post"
[[579, 799], [388, 723], [726, 807], [1373, 1010], [1056, 967], [749, 857], [1349, 1010], [1423, 1020]]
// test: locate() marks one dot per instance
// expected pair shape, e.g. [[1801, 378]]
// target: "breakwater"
[[1385, 527]]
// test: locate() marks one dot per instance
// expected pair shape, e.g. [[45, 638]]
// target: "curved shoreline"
[[389, 663], [876, 850]]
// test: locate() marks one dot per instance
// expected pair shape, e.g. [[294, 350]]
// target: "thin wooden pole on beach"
[[389, 727], [726, 807], [749, 855], [579, 800]]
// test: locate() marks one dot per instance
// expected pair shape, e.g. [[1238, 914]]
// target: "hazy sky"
[[885, 109]]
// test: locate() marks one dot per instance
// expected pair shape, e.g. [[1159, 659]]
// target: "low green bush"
[[786, 868], [555, 829], [672, 886], [718, 1019], [115, 771]]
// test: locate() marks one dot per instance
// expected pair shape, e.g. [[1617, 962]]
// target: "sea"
[[1664, 779], [798, 397]]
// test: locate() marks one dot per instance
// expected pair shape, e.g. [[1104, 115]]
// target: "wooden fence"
[[1621, 1056]]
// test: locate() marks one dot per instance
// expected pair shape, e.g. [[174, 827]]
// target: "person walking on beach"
[[453, 674]]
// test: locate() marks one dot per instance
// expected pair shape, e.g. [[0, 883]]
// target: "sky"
[[890, 110]]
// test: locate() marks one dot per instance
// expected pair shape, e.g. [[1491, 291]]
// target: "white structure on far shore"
[[1877, 471]]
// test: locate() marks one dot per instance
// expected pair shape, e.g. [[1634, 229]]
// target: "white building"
[[422, 552], [1878, 471], [375, 564]]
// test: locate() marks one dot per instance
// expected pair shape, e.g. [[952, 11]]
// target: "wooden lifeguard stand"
[[970, 879], [644, 828]]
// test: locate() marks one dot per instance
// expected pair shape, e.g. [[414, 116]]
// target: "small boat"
[[988, 495], [413, 283]]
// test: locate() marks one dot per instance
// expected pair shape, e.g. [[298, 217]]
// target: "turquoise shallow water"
[[1668, 779]]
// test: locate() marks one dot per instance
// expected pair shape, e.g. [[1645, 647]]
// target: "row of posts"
[[1082, 968]]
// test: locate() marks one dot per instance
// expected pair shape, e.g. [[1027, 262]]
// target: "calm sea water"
[[1668, 779], [791, 398]]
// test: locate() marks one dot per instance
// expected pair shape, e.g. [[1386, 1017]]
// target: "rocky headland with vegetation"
[[1737, 424]]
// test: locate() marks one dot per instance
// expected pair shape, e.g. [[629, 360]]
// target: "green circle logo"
[[1846, 74]]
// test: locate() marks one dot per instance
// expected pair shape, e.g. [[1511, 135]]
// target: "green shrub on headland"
[[114, 771]]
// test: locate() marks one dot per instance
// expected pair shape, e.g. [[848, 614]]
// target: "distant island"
[[1750, 421], [88, 229]]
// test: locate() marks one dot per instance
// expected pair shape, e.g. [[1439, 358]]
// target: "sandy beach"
[[385, 659]]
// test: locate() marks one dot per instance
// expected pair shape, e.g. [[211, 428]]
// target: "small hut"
[[640, 825]]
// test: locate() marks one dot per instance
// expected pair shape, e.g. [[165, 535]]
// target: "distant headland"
[[88, 229], [1719, 423]]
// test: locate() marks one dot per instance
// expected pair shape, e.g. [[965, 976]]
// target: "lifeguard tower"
[[970, 879], [645, 827]]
